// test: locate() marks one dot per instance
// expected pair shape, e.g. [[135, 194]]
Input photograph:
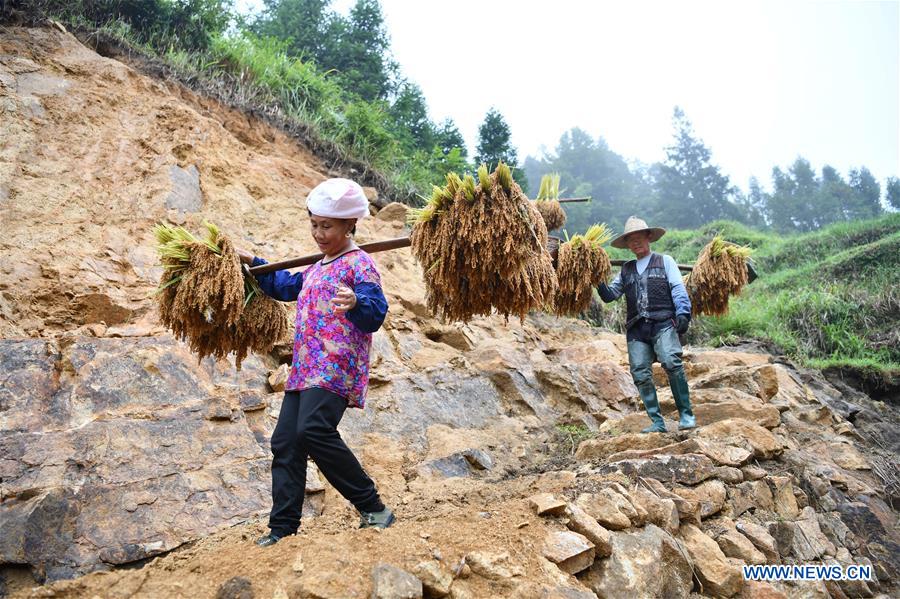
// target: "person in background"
[[340, 304], [659, 310]]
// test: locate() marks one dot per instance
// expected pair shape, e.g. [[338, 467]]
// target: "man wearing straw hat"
[[659, 309]]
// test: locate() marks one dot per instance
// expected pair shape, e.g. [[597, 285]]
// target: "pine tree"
[[892, 189], [410, 112], [494, 141], [690, 189], [868, 193], [495, 144], [447, 137]]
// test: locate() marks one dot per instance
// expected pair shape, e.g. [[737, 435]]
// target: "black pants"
[[307, 427]]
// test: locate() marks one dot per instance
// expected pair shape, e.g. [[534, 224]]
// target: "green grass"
[[826, 299]]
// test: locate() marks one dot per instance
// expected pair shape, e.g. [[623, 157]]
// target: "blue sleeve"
[[371, 307], [613, 291], [280, 285], [676, 285]]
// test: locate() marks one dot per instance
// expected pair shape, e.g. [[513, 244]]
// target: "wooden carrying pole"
[[684, 267], [371, 248]]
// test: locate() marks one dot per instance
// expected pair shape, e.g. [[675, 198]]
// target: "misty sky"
[[763, 82]]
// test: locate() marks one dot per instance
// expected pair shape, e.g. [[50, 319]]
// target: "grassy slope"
[[829, 298]]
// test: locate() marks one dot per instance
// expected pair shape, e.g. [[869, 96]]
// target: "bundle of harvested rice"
[[720, 272], [582, 265], [483, 248], [202, 298], [263, 323], [547, 202]]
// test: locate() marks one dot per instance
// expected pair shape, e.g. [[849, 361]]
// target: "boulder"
[[583, 523], [277, 379], [717, 575], [753, 472], [633, 424], [743, 433], [494, 565], [783, 533], [734, 544], [761, 539], [99, 470], [750, 495], [390, 582], [394, 212], [661, 511], [688, 510], [729, 475], [645, 563], [760, 381], [689, 469], [606, 507], [720, 453], [705, 396], [764, 415], [569, 550], [709, 495], [435, 579], [600, 448], [545, 504], [592, 385], [845, 455], [809, 542], [783, 495]]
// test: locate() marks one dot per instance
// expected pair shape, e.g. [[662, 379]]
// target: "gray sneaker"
[[381, 519]]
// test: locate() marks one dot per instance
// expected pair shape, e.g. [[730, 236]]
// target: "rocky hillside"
[[509, 452]]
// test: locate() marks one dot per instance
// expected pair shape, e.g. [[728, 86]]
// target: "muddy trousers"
[[307, 427], [662, 345]]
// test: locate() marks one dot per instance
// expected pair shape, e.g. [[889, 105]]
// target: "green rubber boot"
[[651, 404], [680, 393]]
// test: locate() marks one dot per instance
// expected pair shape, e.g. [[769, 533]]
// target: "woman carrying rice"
[[339, 305]]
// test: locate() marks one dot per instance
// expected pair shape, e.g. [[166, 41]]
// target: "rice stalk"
[[485, 254], [549, 187], [264, 323], [203, 296], [484, 178], [548, 204], [468, 187], [504, 176], [582, 265], [719, 273]]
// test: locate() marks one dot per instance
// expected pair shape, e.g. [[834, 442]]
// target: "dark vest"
[[647, 294]]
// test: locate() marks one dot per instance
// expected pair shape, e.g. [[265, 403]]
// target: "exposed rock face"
[[648, 563], [102, 440]]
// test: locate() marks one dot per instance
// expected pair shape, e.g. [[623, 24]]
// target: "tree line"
[[687, 189]]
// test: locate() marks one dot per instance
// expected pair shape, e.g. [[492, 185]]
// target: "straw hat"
[[633, 225]]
